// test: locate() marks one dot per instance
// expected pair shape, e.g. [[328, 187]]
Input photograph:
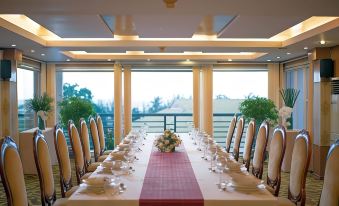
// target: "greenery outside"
[[259, 109]]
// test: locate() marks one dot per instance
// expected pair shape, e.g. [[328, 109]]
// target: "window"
[[27, 87], [296, 76], [230, 87], [162, 98], [95, 85]]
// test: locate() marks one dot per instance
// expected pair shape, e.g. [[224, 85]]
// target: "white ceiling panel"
[[166, 26], [74, 26], [259, 26]]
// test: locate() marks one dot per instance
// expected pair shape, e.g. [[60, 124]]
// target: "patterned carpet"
[[313, 187]]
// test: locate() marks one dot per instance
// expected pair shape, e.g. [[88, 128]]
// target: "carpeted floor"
[[313, 187]]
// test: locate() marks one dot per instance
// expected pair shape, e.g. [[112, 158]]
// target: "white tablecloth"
[[206, 181]]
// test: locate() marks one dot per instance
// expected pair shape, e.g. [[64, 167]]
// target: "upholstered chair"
[[238, 136], [101, 133], [12, 175], [299, 165], [78, 153], [330, 193], [84, 137], [61, 149], [250, 132], [230, 133], [98, 151], [45, 172], [260, 149], [276, 155]]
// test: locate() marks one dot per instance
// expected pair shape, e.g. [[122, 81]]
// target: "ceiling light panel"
[[74, 26], [258, 26], [166, 26]]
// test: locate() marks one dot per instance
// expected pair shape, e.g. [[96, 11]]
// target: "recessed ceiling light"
[[32, 50], [68, 60], [322, 42], [109, 60], [148, 60], [305, 47], [288, 53], [278, 57], [268, 60], [13, 45], [42, 54], [230, 60]]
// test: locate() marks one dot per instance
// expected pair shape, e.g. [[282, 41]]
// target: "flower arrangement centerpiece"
[[167, 141]]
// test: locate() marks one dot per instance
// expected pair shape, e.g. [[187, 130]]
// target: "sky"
[[147, 85]]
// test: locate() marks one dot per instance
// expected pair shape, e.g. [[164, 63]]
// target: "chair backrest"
[[85, 143], [12, 175], [248, 144], [276, 155], [299, 165], [330, 193], [260, 149], [101, 133], [62, 153], [95, 138], [238, 136], [230, 133], [77, 151], [44, 168]]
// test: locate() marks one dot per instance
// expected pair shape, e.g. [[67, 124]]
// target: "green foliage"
[[260, 109], [39, 103], [156, 105], [70, 90], [109, 140], [289, 96], [74, 108]]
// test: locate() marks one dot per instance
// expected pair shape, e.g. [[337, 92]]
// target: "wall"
[[335, 58]]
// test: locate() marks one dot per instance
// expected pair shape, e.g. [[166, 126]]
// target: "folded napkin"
[[123, 147], [239, 179], [97, 181], [117, 155], [126, 141]]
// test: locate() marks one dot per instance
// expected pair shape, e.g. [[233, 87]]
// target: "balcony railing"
[[158, 122]]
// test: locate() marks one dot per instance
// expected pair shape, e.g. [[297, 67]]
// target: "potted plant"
[[74, 108], [289, 97], [259, 109], [41, 105]]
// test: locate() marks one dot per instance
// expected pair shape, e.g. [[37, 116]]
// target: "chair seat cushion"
[[107, 152], [102, 158], [284, 202], [61, 202], [93, 166], [71, 191]]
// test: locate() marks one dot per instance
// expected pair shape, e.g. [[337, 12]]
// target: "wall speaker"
[[326, 68], [5, 69]]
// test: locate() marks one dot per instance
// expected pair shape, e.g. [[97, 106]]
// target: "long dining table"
[[179, 178]]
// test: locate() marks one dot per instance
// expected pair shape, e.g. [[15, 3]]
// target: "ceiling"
[[199, 30]]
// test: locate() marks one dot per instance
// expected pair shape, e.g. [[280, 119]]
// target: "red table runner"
[[170, 180]]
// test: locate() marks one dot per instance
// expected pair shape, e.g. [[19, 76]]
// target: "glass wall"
[[230, 87], [162, 98], [87, 86], [27, 86], [296, 76]]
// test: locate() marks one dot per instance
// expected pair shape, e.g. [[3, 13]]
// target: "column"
[[51, 91], [8, 98], [196, 96], [117, 103], [207, 78], [127, 99], [274, 83], [321, 114]]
